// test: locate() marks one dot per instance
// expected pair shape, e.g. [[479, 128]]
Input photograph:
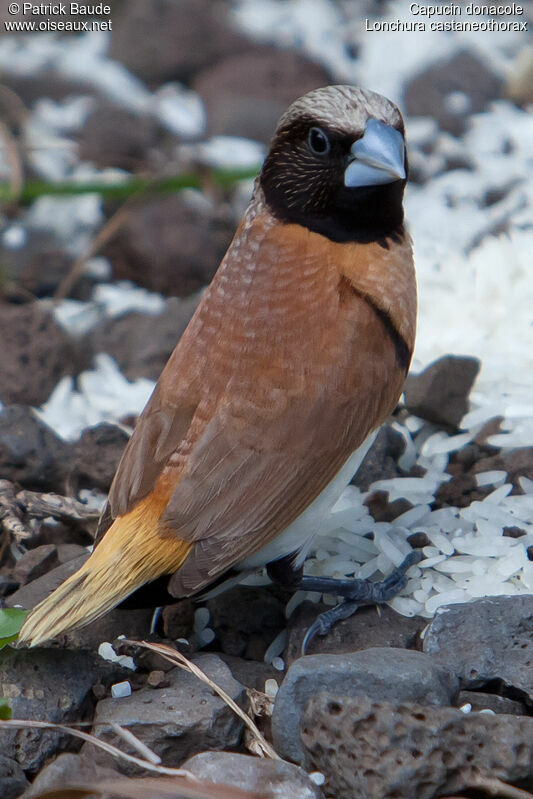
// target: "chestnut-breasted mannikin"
[[296, 354]]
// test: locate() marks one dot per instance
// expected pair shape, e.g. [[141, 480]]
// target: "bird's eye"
[[318, 141]]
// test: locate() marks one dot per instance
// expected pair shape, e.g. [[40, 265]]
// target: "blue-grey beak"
[[379, 157]]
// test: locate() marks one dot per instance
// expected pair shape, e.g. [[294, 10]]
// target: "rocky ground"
[[432, 696]]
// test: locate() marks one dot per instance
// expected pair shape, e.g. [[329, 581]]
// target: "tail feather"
[[131, 554]]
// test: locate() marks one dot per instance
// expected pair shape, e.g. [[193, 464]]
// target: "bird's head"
[[338, 165]]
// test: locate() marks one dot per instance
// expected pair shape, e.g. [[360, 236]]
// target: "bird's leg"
[[355, 592]]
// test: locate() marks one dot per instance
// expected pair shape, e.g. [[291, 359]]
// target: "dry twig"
[[496, 787], [107, 747], [10, 513], [154, 788], [184, 663], [106, 233], [65, 509], [133, 741]]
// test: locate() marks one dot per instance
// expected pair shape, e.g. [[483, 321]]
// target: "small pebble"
[[121, 689], [106, 651], [466, 708], [317, 777], [205, 636], [99, 690], [278, 663], [271, 688], [418, 540], [158, 679], [201, 619], [14, 237]]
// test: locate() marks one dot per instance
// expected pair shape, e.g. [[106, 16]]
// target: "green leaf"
[[5, 710], [11, 620]]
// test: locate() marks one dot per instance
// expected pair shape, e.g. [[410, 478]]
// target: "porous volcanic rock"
[[382, 673], [380, 749], [45, 685]]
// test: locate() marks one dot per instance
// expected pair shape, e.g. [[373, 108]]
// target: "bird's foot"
[[355, 593]]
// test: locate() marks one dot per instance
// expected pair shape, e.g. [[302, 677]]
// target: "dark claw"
[[396, 581], [325, 621], [355, 593]]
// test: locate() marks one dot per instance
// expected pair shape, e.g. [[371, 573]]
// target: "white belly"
[[299, 535]]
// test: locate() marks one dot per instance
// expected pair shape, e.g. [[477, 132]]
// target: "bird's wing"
[[160, 429], [302, 371], [238, 495]]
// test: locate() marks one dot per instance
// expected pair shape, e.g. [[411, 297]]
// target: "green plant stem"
[[192, 180]]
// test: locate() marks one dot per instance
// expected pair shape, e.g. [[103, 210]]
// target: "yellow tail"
[[131, 554]]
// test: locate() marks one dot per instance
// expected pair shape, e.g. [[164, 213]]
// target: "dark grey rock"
[[97, 454], [238, 106], [36, 268], [12, 778], [142, 344], [251, 673], [35, 563], [66, 552], [168, 246], [68, 769], [272, 779], [7, 585], [440, 393], [498, 704], [376, 749], [164, 40], [490, 639], [381, 461], [366, 629], [112, 136], [246, 620], [381, 673], [451, 89], [132, 623], [175, 722], [36, 353], [30, 452], [60, 534], [178, 619], [34, 85], [31, 594], [46, 685]]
